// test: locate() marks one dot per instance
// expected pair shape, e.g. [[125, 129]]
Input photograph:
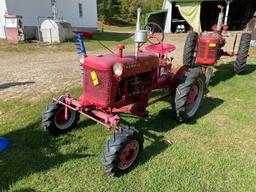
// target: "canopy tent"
[[191, 13], [190, 10], [242, 11]]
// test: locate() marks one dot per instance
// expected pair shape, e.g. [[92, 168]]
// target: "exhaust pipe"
[[220, 18]]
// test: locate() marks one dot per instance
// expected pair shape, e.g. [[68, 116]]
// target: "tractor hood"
[[146, 61]]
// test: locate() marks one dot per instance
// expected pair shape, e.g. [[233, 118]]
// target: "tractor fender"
[[177, 75]]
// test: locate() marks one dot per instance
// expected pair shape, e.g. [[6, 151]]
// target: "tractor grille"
[[99, 94], [206, 52]]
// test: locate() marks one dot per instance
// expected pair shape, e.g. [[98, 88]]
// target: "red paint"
[[192, 96], [205, 54], [130, 92], [120, 50], [84, 33], [12, 33], [61, 117], [161, 48], [128, 155]]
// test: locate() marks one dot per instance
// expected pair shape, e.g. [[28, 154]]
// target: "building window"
[[80, 6]]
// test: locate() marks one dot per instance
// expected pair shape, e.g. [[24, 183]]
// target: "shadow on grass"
[[25, 190], [226, 71], [31, 151], [13, 84], [112, 36], [208, 104], [164, 122]]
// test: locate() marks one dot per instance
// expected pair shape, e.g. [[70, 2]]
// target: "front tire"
[[54, 119], [242, 53], [122, 151], [189, 49], [189, 94]]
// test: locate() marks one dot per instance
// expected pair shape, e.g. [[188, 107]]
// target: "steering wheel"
[[154, 30]]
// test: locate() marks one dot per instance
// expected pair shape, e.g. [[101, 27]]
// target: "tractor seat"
[[161, 48]]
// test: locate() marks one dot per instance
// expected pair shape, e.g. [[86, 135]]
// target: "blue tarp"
[[4, 143]]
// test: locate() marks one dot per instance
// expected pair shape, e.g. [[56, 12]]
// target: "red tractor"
[[117, 83], [206, 49]]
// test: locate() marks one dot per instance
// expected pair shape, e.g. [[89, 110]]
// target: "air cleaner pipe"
[[220, 18], [137, 29]]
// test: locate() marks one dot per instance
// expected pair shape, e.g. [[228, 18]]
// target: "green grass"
[[216, 152], [118, 28], [108, 38]]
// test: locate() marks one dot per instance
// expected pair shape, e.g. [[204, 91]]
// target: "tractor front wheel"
[[189, 49], [189, 95], [54, 119], [122, 151], [242, 53]]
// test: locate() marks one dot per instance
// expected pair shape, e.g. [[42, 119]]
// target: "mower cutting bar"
[[81, 112]]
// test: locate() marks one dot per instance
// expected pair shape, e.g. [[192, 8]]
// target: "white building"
[[82, 14]]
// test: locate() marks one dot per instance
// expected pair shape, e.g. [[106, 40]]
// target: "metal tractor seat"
[[161, 48]]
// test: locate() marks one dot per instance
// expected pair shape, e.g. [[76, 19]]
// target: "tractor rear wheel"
[[189, 49], [122, 151], [54, 119], [189, 95], [242, 53]]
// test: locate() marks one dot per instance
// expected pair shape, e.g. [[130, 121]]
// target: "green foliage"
[[123, 11]]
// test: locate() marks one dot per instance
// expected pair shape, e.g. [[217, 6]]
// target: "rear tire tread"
[[189, 49], [242, 53], [183, 91]]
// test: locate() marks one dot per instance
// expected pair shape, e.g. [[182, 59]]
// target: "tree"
[[124, 11]]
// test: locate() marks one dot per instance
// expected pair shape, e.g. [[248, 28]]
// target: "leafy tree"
[[124, 11]]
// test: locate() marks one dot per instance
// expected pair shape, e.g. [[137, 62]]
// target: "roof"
[[187, 1], [147, 15]]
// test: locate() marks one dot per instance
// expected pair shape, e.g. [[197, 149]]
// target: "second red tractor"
[[206, 48]]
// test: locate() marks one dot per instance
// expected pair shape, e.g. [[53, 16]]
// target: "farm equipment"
[[117, 83], [206, 49]]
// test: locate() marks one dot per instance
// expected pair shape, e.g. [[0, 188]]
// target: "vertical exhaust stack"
[[138, 19], [140, 35], [220, 18]]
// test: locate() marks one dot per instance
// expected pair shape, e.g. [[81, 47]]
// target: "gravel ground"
[[32, 75]]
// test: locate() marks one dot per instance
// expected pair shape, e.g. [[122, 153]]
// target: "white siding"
[[29, 9], [69, 10], [3, 10]]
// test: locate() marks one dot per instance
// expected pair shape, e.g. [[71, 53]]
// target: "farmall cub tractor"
[[206, 49], [117, 83]]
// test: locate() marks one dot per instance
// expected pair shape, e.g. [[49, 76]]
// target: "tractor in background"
[[123, 82], [206, 48]]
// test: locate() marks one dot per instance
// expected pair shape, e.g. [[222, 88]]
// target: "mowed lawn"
[[216, 152]]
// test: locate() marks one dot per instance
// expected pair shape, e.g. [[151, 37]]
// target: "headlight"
[[81, 59], [118, 69]]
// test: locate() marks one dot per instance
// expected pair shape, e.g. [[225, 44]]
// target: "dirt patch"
[[34, 74]]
